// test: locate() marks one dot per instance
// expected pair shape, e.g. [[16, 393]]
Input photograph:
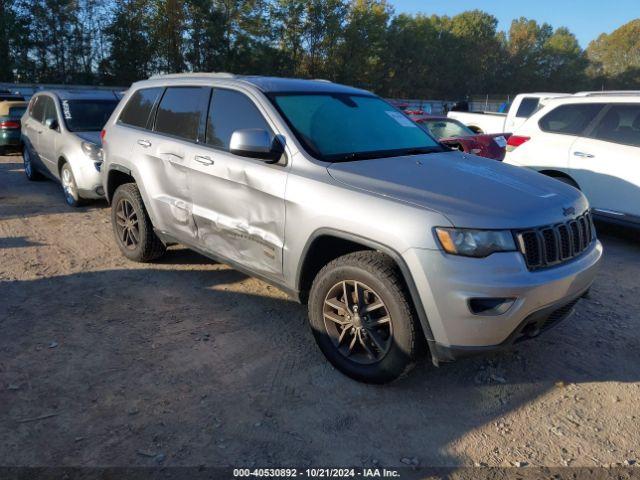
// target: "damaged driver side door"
[[238, 202]]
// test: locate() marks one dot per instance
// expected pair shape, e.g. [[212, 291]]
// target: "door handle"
[[583, 155], [144, 143], [204, 160]]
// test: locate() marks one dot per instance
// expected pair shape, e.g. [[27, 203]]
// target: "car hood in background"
[[470, 191], [93, 137]]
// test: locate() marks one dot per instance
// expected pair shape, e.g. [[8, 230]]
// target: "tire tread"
[[383, 267], [152, 246]]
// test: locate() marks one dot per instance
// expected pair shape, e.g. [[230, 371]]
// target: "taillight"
[[9, 125], [103, 134], [515, 141]]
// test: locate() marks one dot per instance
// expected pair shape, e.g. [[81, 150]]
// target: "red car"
[[457, 135]]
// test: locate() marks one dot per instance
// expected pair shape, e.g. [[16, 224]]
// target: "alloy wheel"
[[358, 322], [127, 224], [68, 185], [26, 159]]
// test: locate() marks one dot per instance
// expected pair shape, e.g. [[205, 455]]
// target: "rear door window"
[[137, 111], [527, 107], [570, 119], [620, 124], [181, 111], [230, 111]]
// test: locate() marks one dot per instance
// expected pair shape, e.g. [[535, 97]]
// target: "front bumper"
[[88, 178], [447, 283]]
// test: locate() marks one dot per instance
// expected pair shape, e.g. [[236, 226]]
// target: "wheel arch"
[[327, 244], [549, 172], [61, 161], [117, 175]]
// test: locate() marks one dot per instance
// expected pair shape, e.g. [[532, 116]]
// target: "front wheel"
[[70, 187], [132, 226], [362, 319]]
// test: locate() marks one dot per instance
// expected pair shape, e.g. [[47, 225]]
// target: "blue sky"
[[585, 18]]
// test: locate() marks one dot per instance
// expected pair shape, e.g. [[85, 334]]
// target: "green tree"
[[287, 19], [477, 50], [615, 57], [130, 43], [322, 36], [361, 58], [564, 63]]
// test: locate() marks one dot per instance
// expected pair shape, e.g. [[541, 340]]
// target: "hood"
[[470, 191], [93, 137]]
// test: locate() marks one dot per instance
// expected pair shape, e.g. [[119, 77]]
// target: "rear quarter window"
[[138, 109], [37, 108], [570, 119], [527, 107]]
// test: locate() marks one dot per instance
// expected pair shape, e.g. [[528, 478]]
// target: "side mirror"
[[51, 123], [256, 143]]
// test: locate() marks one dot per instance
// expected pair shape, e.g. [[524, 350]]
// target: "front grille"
[[555, 244]]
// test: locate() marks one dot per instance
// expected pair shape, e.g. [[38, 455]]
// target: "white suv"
[[591, 141]]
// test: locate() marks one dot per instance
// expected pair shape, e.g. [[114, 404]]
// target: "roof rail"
[[194, 74], [605, 93]]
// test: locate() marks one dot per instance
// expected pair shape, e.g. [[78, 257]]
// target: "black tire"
[[379, 278], [147, 247], [70, 187], [30, 169]]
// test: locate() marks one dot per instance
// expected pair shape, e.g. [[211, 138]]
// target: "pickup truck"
[[523, 106]]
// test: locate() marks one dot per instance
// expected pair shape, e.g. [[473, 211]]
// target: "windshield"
[[87, 115], [335, 127], [446, 128]]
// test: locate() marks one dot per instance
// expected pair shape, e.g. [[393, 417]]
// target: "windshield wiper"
[[348, 157], [421, 150]]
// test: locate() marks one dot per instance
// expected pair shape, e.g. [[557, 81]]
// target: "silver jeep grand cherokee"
[[340, 200]]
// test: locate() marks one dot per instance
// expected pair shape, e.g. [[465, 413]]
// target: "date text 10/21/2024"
[[316, 473]]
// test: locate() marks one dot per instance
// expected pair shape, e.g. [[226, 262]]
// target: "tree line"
[[357, 42]]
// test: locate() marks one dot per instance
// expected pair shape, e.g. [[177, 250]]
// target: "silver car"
[[396, 243], [61, 136]]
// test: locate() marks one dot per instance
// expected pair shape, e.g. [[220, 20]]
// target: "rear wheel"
[[132, 226], [29, 169], [362, 319]]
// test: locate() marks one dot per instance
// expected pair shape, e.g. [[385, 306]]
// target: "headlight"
[[92, 151], [475, 243]]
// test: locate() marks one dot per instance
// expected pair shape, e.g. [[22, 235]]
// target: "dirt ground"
[[105, 362]]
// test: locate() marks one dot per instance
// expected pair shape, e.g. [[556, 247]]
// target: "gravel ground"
[[104, 362]]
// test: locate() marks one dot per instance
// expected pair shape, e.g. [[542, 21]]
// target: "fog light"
[[490, 306], [100, 191]]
